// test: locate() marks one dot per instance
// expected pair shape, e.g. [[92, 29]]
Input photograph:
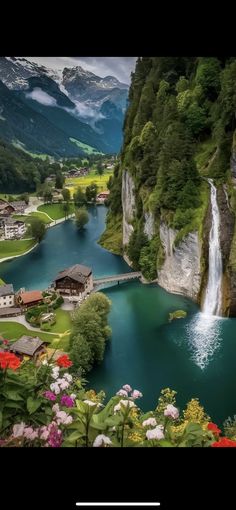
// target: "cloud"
[[41, 97], [120, 67]]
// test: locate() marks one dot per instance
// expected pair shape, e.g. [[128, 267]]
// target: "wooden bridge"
[[117, 278]]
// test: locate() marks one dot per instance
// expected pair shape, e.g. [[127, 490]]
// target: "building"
[[74, 280], [19, 206], [14, 229], [7, 296], [29, 298], [6, 209], [28, 346], [101, 197]]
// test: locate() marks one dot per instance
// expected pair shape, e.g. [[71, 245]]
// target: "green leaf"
[[12, 395], [74, 436], [1, 416], [14, 405], [33, 404], [97, 423], [165, 443], [114, 421]]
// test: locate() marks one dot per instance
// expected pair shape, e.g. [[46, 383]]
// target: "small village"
[[36, 308]]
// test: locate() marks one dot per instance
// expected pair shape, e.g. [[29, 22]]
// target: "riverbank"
[[10, 257]]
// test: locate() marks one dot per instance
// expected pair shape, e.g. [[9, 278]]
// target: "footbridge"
[[124, 277]]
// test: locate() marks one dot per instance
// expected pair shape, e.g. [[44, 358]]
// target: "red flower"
[[213, 428], [64, 361], [9, 360], [5, 342], [224, 442]]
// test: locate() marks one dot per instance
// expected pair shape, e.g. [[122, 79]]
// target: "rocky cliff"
[[128, 206]]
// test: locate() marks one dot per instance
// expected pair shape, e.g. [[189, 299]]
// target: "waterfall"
[[213, 296]]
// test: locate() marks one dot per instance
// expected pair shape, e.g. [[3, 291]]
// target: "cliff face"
[[128, 206], [181, 271]]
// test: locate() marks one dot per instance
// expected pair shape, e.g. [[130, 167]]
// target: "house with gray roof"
[[74, 280], [28, 346]]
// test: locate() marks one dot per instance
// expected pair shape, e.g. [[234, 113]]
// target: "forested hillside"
[[179, 129]]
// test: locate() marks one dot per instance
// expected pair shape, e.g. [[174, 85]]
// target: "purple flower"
[[55, 436], [67, 401], [122, 393], [50, 395]]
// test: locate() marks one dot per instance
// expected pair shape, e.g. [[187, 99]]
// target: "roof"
[[10, 222], [6, 311], [6, 290], [26, 345], [18, 203], [77, 272], [5, 205], [31, 296]]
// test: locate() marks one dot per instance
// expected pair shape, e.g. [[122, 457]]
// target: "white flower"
[[64, 385], [18, 429], [156, 433], [171, 411], [127, 387], [68, 377], [44, 433], [44, 362], [55, 387], [73, 395], [136, 394], [150, 422], [102, 440], [55, 372], [56, 408], [126, 403], [90, 403], [122, 393]]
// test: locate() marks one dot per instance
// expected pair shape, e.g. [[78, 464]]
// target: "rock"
[[181, 271], [128, 204], [149, 226], [178, 314]]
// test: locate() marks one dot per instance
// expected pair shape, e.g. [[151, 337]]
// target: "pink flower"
[[67, 401], [171, 411], [44, 433], [30, 433], [127, 387], [63, 418], [156, 433], [18, 429], [55, 387], [136, 394], [150, 422], [55, 408], [50, 395], [122, 393]]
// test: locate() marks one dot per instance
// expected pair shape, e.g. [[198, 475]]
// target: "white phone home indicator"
[[119, 504]]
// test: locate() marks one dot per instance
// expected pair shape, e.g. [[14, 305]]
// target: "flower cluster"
[[9, 360], [126, 389], [64, 361], [50, 435], [61, 383], [61, 417]]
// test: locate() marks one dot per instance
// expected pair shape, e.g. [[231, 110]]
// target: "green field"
[[21, 146], [55, 211], [88, 149], [30, 218], [63, 323], [12, 248], [13, 330], [72, 183]]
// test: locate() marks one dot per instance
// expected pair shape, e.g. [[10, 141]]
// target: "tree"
[[80, 353], [38, 230], [25, 197], [60, 179], [100, 169], [82, 217], [47, 196], [66, 194], [66, 208], [80, 197], [91, 192]]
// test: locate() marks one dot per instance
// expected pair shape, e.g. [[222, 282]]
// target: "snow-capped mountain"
[[14, 72], [83, 105]]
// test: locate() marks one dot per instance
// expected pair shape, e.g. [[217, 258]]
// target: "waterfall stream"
[[213, 297]]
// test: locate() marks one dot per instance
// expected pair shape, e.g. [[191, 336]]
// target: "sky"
[[120, 67]]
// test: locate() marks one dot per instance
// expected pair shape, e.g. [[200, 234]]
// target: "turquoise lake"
[[195, 356]]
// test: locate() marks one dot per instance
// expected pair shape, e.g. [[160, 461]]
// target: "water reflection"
[[204, 337]]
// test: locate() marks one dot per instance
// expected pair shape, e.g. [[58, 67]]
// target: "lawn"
[[13, 248], [63, 323], [72, 183], [55, 211], [30, 218], [86, 148], [14, 330]]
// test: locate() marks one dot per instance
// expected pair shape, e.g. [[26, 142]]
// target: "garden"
[[49, 406], [43, 315]]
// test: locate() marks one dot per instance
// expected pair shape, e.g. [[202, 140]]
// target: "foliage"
[[91, 192], [90, 331], [178, 314], [38, 230], [60, 179], [80, 197], [81, 217], [66, 194], [150, 255]]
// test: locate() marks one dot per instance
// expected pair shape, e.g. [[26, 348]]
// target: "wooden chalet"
[[74, 280], [28, 346], [30, 298]]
